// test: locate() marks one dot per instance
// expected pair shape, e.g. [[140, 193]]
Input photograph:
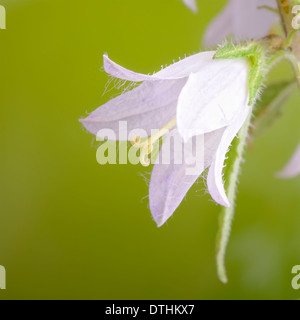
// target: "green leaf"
[[271, 105], [231, 174]]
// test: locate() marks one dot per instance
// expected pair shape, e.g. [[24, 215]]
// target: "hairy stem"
[[292, 36], [227, 214]]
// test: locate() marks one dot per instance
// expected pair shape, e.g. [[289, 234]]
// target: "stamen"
[[147, 146]]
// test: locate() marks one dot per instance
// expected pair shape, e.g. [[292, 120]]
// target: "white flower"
[[242, 19], [203, 97]]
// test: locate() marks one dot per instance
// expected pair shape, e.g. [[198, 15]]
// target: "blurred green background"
[[72, 229]]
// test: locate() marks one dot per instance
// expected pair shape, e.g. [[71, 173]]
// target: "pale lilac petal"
[[249, 21], [292, 169], [178, 70], [243, 20], [170, 183], [215, 177], [149, 106], [191, 4], [220, 28], [212, 97], [120, 72]]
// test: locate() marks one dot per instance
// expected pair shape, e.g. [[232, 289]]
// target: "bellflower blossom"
[[203, 97], [292, 169], [242, 19]]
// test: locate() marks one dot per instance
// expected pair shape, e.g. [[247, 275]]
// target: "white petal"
[[292, 169], [169, 182], [149, 106], [178, 70], [220, 28], [191, 4], [212, 97], [215, 178]]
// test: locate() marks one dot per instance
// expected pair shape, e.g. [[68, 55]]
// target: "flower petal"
[[170, 182], [191, 4], [178, 70], [149, 106], [120, 72], [292, 169], [250, 21], [243, 19], [215, 178], [212, 97], [220, 28]]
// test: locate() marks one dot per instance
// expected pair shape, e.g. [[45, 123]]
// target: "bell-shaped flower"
[[191, 4], [292, 169], [243, 20], [195, 97]]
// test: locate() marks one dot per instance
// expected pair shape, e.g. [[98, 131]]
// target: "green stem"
[[268, 8], [276, 58], [227, 214], [282, 16], [292, 36]]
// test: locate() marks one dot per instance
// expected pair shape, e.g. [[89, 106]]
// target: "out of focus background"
[[73, 229]]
